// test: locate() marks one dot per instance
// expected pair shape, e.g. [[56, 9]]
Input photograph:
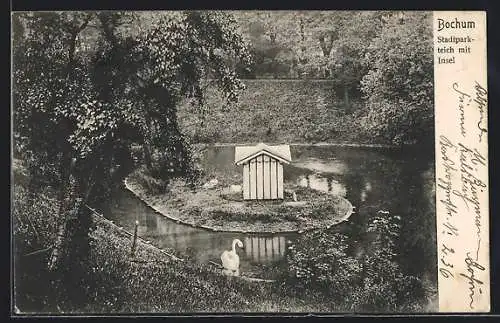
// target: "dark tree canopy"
[[87, 85]]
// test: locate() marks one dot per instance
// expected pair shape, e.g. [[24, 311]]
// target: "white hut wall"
[[246, 181], [263, 178]]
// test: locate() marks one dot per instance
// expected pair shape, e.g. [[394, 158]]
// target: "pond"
[[399, 182]]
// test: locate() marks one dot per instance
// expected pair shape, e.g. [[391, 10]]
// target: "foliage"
[[143, 177], [32, 220], [82, 95], [399, 84], [309, 44], [380, 79], [66, 133], [369, 280], [166, 64], [34, 217], [320, 261], [344, 66], [42, 78], [125, 89]]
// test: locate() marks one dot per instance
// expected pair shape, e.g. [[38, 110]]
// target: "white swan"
[[231, 260]]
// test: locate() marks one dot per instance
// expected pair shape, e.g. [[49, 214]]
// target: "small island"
[[217, 204], [218, 209], [264, 203]]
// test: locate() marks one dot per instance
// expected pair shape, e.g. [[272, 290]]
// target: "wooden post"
[[274, 178], [266, 173], [260, 177], [253, 179], [134, 241], [246, 181]]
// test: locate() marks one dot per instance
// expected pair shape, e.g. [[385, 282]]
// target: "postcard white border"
[[462, 206]]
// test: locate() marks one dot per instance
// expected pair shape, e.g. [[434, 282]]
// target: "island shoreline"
[[129, 187]]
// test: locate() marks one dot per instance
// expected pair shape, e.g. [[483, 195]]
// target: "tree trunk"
[[302, 33], [74, 31], [147, 154], [147, 143], [71, 52], [109, 23], [346, 96], [69, 189], [65, 199], [58, 249], [74, 224], [272, 36]]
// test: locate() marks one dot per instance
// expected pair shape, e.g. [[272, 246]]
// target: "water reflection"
[[330, 165], [202, 245], [321, 183], [371, 180], [262, 250]]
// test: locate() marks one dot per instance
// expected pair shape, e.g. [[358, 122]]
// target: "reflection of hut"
[[262, 170], [324, 184], [264, 249]]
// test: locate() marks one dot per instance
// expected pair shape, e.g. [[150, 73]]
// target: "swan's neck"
[[234, 246]]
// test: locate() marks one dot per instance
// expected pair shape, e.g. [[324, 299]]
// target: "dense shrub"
[[399, 85], [366, 280], [156, 179], [320, 261], [33, 220], [152, 183], [34, 231]]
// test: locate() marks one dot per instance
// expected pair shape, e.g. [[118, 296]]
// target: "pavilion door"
[[263, 179]]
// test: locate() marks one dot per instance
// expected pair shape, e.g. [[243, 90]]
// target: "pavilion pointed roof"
[[243, 154]]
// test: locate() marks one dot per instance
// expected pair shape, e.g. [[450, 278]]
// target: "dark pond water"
[[400, 182]]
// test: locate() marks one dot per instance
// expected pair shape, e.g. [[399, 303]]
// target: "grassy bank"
[[149, 282], [115, 282], [277, 111]]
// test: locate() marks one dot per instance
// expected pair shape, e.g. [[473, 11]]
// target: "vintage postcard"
[[175, 162], [461, 114]]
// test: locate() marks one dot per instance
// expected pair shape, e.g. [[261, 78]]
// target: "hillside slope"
[[274, 111]]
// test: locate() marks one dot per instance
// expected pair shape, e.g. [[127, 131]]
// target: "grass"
[[276, 110]]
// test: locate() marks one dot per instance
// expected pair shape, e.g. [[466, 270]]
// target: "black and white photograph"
[[204, 161]]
